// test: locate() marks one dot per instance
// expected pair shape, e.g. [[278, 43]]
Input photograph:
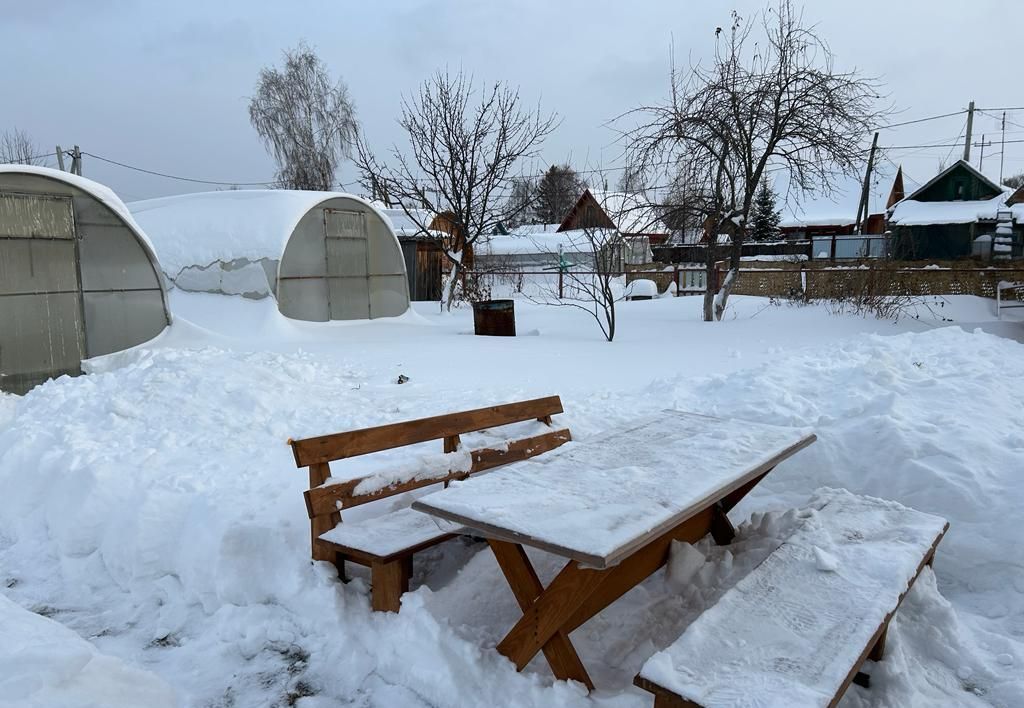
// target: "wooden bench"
[[387, 543], [797, 629]]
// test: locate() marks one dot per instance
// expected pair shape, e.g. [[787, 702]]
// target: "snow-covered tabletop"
[[598, 501]]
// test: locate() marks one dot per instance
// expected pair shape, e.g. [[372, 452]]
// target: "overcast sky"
[[165, 85]]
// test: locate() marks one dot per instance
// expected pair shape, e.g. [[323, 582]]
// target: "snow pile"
[[156, 509], [641, 288], [43, 664]]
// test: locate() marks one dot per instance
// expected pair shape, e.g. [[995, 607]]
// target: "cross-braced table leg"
[[577, 593], [521, 647]]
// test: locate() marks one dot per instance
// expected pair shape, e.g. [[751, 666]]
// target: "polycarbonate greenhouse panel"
[[349, 298], [388, 295], [121, 320], [113, 259], [303, 299], [36, 216], [40, 338], [36, 266]]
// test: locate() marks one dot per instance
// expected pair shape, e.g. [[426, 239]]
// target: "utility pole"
[[981, 159], [76, 161], [862, 207], [1002, 151], [60, 158], [970, 125]]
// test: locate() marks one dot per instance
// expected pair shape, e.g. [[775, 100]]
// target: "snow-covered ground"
[[153, 507]]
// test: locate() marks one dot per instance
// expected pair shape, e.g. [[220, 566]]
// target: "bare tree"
[[464, 145], [777, 106], [306, 120], [591, 286], [17, 148], [1015, 181]]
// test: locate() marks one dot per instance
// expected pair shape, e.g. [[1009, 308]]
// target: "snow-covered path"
[[154, 508]]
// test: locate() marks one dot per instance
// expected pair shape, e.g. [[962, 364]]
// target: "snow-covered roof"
[[530, 229], [630, 212], [206, 227], [99, 191], [837, 220], [840, 207], [540, 243], [911, 212], [696, 238], [401, 222]]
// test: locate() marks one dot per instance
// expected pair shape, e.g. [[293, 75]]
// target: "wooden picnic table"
[[611, 506]]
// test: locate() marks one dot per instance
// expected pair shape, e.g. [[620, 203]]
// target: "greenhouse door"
[[348, 255], [41, 328]]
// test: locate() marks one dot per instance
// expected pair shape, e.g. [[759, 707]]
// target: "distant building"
[[943, 218]]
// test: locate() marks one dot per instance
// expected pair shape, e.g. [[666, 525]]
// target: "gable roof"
[[959, 164], [627, 212]]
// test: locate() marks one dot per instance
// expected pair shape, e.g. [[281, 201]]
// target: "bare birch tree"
[[17, 148], [464, 145], [306, 120], [773, 105]]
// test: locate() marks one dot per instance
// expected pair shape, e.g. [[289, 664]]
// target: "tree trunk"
[[723, 294], [453, 281]]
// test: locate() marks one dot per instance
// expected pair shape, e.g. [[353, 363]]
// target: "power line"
[[182, 179], [921, 120]]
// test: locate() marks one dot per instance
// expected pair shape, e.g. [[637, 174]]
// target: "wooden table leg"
[[526, 586]]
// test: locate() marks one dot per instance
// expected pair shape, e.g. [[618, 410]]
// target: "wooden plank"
[[526, 586], [616, 582], [325, 499], [318, 474], [548, 613], [326, 448]]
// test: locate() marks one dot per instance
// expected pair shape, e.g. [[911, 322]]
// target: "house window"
[[958, 191]]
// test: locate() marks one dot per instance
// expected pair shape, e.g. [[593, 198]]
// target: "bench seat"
[[387, 543], [387, 536], [795, 631]]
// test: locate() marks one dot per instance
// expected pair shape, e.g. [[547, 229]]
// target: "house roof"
[[911, 212], [959, 164], [628, 212], [401, 222]]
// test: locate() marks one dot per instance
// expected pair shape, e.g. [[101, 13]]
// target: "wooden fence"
[[812, 281]]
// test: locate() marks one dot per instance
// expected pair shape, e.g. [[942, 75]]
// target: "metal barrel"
[[495, 318]]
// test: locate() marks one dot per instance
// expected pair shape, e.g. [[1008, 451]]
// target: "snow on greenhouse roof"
[[206, 227], [101, 192]]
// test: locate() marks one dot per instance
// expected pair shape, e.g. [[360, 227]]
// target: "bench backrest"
[[324, 501]]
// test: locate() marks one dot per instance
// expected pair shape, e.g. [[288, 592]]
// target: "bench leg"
[[389, 581], [878, 650]]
